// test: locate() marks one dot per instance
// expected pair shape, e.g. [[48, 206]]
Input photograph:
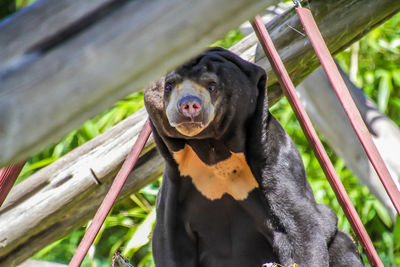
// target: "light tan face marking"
[[231, 176], [189, 87]]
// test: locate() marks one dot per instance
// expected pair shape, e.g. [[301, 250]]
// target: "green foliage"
[[129, 225], [23, 3], [378, 61], [372, 213], [231, 38], [378, 74]]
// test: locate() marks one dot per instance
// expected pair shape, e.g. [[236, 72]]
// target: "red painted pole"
[[348, 104], [312, 137], [111, 196], [8, 175]]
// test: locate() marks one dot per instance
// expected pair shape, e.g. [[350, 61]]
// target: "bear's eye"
[[168, 87], [212, 86]]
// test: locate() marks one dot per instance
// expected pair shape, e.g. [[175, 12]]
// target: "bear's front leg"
[[301, 229], [172, 246]]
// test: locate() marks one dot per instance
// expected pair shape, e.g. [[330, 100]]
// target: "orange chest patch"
[[231, 176]]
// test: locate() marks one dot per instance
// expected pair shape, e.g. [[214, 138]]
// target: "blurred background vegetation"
[[128, 227]]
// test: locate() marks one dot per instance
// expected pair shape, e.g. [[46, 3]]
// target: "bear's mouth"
[[191, 124], [190, 128], [180, 121]]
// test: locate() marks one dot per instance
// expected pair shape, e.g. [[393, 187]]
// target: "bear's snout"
[[190, 106]]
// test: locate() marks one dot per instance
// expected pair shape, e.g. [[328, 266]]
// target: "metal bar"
[[8, 175], [312, 137], [348, 104], [111, 196]]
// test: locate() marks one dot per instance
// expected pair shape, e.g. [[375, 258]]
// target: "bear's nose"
[[190, 106]]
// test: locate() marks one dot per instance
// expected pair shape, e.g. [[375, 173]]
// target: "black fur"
[[278, 222]]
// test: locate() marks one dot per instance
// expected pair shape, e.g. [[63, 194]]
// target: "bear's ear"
[[153, 98], [260, 77]]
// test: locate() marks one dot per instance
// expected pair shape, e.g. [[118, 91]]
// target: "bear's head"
[[207, 97]]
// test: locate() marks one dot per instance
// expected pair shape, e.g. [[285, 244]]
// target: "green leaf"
[[90, 130], [230, 39], [383, 214], [384, 89], [387, 240], [147, 261], [396, 77], [105, 120], [58, 149], [142, 234], [369, 77], [367, 212], [47, 249], [395, 101], [40, 164], [396, 232]]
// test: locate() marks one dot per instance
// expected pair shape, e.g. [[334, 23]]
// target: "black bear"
[[234, 191]]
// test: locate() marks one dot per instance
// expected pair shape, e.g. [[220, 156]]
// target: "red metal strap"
[[111, 196], [312, 137], [348, 104], [8, 175]]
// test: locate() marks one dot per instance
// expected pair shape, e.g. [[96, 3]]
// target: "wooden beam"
[[39, 22], [65, 195], [54, 82]]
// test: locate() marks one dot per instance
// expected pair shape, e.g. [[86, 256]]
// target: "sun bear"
[[234, 191]]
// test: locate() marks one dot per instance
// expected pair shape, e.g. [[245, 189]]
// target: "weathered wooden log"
[[64, 195], [330, 119], [65, 61]]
